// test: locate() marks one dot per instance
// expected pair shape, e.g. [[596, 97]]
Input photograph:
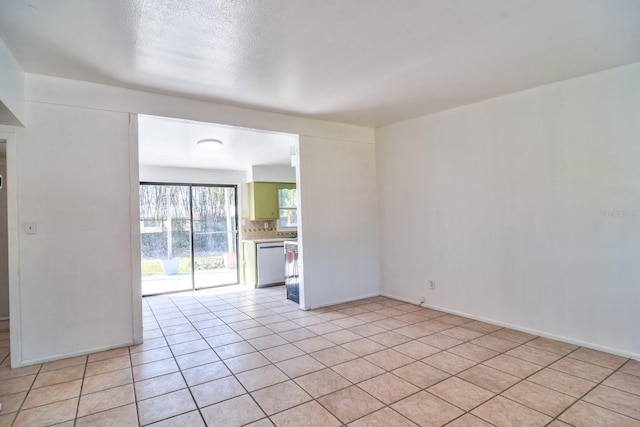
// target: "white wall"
[[272, 174], [524, 209], [338, 217], [4, 246], [78, 288], [12, 109]]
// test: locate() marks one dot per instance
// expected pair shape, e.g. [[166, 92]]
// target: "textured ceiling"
[[367, 62]]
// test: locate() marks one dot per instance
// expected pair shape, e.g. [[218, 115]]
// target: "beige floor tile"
[[205, 373], [389, 339], [159, 385], [389, 359], [416, 349], [189, 347], [367, 330], [363, 346], [468, 420], [599, 358], [64, 363], [460, 333], [495, 343], [482, 327], [504, 412], [584, 370], [388, 388], [540, 398], [552, 346], [389, 323], [348, 322], [53, 393], [151, 355], [512, 365], [107, 380], [440, 341], [298, 366], [282, 352], [489, 378], [106, 399], [564, 383], [631, 367], [63, 375], [124, 416], [311, 345], [473, 352], [358, 370], [221, 339], [165, 406], [53, 413], [616, 400], [189, 419], [413, 331], [625, 382], [460, 393], [341, 337], [449, 362], [280, 396], [261, 377], [309, 414], [12, 402], [246, 362], [421, 374], [268, 341], [454, 319], [426, 409], [106, 365], [234, 349], [216, 391], [333, 356], [237, 411], [108, 354], [154, 369], [16, 385], [6, 420], [324, 328], [385, 417], [191, 360], [8, 373], [534, 355], [584, 414], [350, 404], [513, 335], [322, 382]]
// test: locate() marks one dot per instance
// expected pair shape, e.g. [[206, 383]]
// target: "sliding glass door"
[[188, 237]]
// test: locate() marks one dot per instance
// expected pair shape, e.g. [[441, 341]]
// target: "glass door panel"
[[165, 238], [214, 236]]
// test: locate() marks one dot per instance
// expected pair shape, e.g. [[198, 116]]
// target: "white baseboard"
[[544, 334]]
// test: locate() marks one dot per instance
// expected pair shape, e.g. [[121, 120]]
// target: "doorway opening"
[[188, 236]]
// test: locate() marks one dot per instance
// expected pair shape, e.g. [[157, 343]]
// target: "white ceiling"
[[368, 62], [172, 142]]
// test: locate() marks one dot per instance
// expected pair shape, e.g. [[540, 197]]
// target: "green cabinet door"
[[249, 264], [263, 200]]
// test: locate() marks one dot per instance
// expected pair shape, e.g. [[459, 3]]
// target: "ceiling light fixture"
[[209, 144]]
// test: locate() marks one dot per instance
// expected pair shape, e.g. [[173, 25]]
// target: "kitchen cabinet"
[[263, 199], [249, 264]]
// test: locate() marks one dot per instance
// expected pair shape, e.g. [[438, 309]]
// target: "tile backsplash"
[[257, 230]]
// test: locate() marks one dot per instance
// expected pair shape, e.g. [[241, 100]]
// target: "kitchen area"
[[269, 245]]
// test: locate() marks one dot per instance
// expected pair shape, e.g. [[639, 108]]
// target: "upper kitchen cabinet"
[[263, 199]]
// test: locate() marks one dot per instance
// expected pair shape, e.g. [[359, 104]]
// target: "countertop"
[[272, 240]]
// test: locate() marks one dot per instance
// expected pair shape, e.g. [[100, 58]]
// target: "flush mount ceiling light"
[[209, 144]]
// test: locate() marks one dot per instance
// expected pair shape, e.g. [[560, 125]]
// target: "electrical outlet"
[[422, 300], [432, 284]]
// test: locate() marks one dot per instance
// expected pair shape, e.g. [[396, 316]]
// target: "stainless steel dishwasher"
[[270, 263]]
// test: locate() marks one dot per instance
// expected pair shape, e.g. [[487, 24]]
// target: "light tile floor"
[[236, 356]]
